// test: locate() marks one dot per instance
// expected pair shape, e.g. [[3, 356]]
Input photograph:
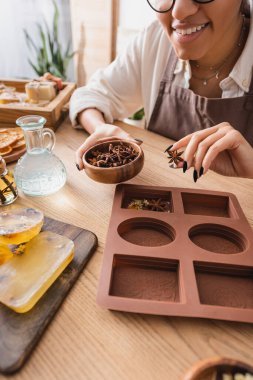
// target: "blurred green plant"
[[138, 115], [50, 55]]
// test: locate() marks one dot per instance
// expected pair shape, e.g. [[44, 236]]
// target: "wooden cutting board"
[[19, 333]]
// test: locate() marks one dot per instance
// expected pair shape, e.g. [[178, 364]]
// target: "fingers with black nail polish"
[[195, 175], [169, 148], [77, 166], [184, 166], [201, 172]]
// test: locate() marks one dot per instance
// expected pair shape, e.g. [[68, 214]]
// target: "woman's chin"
[[187, 55]]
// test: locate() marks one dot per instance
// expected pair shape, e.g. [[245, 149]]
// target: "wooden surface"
[[52, 112], [85, 341], [19, 333]]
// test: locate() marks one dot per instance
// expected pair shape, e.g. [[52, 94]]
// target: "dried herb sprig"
[[138, 204], [18, 249], [156, 204], [115, 155]]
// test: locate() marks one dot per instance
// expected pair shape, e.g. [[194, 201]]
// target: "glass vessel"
[[39, 171], [8, 188]]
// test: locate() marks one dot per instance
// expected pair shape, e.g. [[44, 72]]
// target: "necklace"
[[218, 69]]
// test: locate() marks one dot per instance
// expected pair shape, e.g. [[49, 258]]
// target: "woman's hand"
[[103, 132], [220, 148]]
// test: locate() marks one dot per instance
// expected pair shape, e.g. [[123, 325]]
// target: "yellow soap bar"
[[25, 278], [19, 225], [5, 253], [43, 90], [8, 97]]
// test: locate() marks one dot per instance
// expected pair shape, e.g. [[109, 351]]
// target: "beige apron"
[[178, 111]]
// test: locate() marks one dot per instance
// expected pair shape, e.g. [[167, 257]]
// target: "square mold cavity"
[[229, 286], [205, 204], [145, 278], [146, 200]]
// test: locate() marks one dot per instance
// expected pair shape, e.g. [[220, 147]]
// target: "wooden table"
[[87, 342]]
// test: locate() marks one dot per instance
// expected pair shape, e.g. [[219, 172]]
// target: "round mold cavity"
[[217, 238], [146, 232]]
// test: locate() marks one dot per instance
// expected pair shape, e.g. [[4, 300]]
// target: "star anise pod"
[[158, 205], [93, 161], [175, 156]]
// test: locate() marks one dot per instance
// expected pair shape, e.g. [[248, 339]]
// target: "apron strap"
[[170, 67]]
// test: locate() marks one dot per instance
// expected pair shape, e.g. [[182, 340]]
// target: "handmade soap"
[[5, 253], [40, 90], [19, 225], [25, 278], [4, 88], [8, 97]]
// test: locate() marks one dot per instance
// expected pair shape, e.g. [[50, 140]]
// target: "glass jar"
[[39, 171]]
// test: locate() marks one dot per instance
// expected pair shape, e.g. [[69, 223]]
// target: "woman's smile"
[[183, 33]]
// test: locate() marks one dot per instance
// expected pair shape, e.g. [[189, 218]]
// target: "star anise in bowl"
[[113, 161]]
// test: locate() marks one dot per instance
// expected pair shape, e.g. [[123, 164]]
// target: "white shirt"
[[132, 80]]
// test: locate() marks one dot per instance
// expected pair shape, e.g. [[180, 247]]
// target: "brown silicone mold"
[[181, 252]]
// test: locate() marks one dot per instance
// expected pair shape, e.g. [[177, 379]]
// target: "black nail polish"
[[78, 168], [139, 140], [195, 175], [201, 172], [184, 166], [169, 148]]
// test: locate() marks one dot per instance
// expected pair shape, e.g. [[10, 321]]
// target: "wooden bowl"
[[206, 369], [113, 174]]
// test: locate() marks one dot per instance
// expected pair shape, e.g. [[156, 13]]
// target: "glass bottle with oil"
[[39, 171], [8, 188]]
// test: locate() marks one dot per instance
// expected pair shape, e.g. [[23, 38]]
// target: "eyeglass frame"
[[173, 3]]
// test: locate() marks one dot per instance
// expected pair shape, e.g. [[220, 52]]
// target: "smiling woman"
[[192, 71], [205, 35]]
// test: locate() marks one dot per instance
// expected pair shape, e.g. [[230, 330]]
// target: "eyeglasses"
[[163, 6]]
